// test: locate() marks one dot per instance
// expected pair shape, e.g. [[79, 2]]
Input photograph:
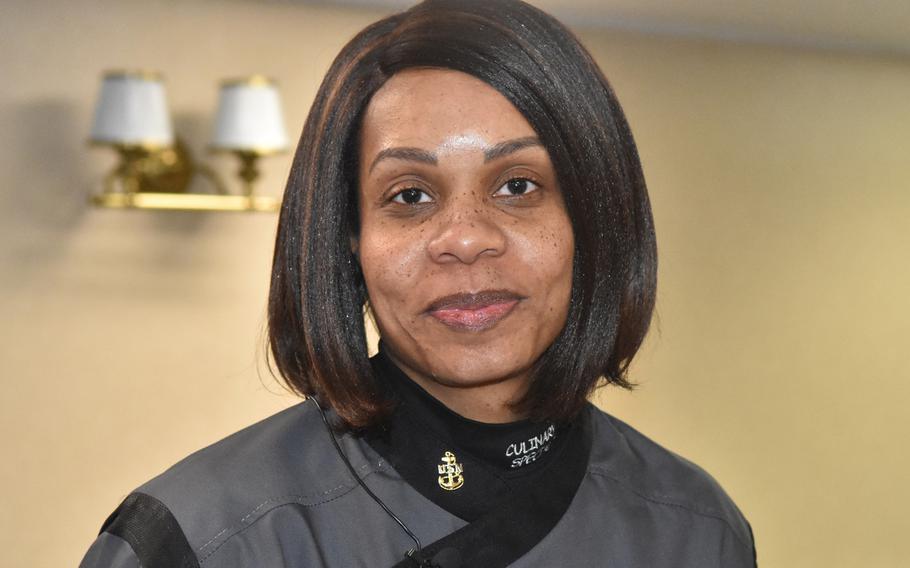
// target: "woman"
[[467, 176]]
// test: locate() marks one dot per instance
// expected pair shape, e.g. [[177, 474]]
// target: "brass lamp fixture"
[[156, 168]]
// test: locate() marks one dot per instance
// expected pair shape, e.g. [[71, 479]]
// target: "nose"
[[467, 235]]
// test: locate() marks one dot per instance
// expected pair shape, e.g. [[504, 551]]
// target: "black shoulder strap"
[[152, 531]]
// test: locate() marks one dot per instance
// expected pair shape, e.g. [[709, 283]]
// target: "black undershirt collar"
[[512, 449], [462, 465]]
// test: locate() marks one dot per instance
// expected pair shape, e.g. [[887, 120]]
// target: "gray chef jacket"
[[278, 494]]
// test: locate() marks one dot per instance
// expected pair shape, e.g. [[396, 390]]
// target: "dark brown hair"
[[316, 329]]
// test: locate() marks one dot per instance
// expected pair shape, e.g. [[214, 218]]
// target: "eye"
[[411, 196], [517, 186]]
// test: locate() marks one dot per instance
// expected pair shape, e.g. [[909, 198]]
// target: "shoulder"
[[218, 491], [266, 452], [652, 473]]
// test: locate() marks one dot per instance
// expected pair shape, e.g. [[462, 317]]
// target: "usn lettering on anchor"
[[450, 472], [531, 449]]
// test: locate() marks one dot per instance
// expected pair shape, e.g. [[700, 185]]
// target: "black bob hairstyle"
[[316, 305]]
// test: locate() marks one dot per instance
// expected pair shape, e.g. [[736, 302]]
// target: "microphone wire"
[[347, 462]]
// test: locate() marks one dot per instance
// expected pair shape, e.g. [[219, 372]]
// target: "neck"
[[489, 402]]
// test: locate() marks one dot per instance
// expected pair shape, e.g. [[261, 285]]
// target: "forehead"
[[432, 107]]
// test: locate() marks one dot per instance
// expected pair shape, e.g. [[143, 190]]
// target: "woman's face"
[[465, 244]]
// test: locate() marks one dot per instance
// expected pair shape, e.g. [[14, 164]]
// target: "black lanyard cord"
[[385, 508]]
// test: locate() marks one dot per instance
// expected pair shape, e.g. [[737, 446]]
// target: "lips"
[[474, 312]]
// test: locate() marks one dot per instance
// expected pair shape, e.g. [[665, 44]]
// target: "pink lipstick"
[[474, 312]]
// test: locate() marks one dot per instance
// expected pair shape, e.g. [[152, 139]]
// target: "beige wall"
[[781, 189], [780, 185]]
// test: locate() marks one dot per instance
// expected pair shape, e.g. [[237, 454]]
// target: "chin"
[[483, 365]]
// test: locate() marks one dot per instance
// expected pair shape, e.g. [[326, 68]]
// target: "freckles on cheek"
[[389, 269], [549, 256], [542, 247]]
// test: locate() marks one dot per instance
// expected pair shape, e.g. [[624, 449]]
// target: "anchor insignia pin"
[[450, 472]]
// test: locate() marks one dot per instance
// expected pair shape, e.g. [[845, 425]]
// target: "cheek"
[[563, 251], [389, 260], [550, 249], [551, 260]]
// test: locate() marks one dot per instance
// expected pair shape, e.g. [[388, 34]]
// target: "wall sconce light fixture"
[[156, 168]]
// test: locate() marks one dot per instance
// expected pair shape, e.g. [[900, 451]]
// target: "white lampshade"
[[132, 111], [249, 117]]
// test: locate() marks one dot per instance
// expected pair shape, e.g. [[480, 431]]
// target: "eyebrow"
[[401, 153], [419, 155], [510, 146]]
